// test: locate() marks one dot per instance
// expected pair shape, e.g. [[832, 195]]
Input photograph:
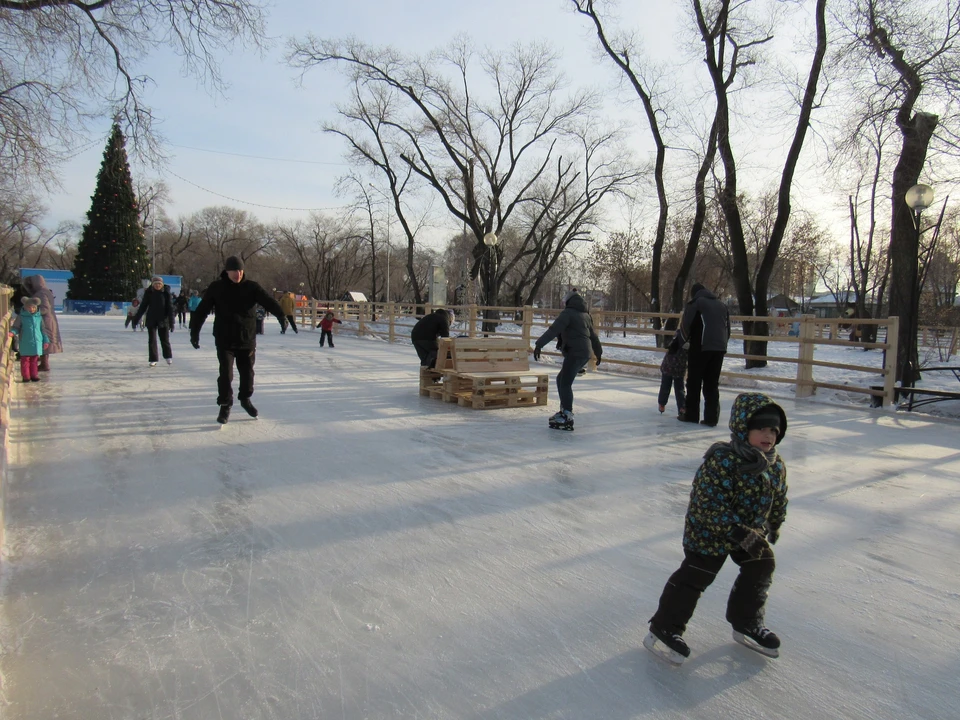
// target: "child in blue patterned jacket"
[[737, 505]]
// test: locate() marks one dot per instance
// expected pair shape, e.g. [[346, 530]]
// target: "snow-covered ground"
[[362, 552]]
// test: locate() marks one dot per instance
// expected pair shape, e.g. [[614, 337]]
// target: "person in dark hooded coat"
[[426, 332], [706, 326], [575, 329], [234, 298], [36, 286], [158, 306]]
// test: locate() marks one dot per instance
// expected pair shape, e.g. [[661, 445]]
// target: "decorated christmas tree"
[[111, 256]]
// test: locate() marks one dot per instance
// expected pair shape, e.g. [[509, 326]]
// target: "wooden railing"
[[7, 375], [395, 320]]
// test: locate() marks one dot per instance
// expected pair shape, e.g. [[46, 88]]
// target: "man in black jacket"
[[575, 329], [234, 299], [158, 306], [426, 332], [706, 326]]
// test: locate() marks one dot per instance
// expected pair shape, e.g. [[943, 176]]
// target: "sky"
[[261, 149], [360, 551]]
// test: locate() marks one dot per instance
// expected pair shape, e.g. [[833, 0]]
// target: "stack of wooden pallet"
[[485, 373]]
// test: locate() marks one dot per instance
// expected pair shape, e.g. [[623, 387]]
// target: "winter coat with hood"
[[575, 329], [430, 327], [158, 307], [706, 323], [36, 286], [727, 493], [235, 322], [28, 327]]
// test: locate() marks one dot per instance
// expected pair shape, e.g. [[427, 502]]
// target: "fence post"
[[361, 308], [890, 361], [805, 387], [527, 323], [315, 305], [472, 315], [391, 308]]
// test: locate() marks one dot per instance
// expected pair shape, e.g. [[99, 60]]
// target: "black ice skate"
[[760, 639], [562, 420], [224, 414], [248, 406], [666, 645]]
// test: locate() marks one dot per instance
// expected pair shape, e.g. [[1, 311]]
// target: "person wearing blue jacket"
[[28, 327]]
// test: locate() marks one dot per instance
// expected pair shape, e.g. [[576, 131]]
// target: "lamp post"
[[491, 241], [918, 199]]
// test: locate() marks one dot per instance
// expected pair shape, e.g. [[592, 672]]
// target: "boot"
[[248, 406], [224, 415]]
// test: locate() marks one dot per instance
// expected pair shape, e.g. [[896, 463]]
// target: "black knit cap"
[[765, 417], [697, 287], [233, 263]]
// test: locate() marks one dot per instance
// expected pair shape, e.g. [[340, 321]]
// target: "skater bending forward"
[[737, 505], [234, 299], [575, 329]]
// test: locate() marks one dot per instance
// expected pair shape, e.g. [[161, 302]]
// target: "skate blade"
[[749, 643], [662, 652]]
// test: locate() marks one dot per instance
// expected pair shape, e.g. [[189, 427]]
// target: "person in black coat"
[[426, 332], [158, 307], [234, 299], [706, 326], [574, 328]]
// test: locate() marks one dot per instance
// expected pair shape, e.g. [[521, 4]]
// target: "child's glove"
[[773, 534], [750, 540], [597, 364], [46, 346], [536, 353]]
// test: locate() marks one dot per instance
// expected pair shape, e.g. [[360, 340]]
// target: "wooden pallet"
[[431, 383], [484, 391]]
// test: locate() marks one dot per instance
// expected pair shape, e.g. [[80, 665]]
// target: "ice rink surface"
[[362, 552]]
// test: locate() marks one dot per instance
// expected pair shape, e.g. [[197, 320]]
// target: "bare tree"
[[906, 57], [65, 61], [483, 158]]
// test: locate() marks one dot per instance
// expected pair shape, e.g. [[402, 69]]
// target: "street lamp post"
[[491, 241], [918, 199]]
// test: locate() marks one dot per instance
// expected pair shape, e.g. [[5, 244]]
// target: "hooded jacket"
[[158, 306], [36, 286], [575, 329], [288, 303], [706, 323], [235, 322], [430, 327], [726, 494], [28, 326]]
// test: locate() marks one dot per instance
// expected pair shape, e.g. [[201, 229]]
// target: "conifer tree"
[[111, 256]]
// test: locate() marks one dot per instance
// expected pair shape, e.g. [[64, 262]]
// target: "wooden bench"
[[485, 373]]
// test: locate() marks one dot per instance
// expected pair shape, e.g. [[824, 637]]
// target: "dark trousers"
[[666, 382], [329, 336], [747, 596], [259, 326], [292, 323], [244, 360], [703, 371], [182, 317], [164, 334], [572, 364], [427, 354]]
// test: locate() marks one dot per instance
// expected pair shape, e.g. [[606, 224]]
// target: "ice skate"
[[562, 420], [224, 415], [248, 406], [169, 361], [153, 363], [666, 645], [661, 408], [760, 639]]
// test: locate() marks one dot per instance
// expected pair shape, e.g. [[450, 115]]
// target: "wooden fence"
[[393, 321]]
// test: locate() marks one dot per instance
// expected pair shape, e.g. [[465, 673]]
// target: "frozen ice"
[[363, 552]]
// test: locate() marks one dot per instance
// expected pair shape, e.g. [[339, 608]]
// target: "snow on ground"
[[362, 552]]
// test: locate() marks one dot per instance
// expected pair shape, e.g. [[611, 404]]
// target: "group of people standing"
[[35, 331]]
